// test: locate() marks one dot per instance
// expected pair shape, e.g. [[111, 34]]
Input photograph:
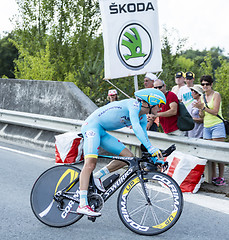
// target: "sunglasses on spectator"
[[159, 87], [205, 84]]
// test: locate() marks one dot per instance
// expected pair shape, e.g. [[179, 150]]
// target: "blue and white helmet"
[[151, 96]]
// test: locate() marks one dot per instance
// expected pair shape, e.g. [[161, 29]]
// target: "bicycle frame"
[[134, 168]]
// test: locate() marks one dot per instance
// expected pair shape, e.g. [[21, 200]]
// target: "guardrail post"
[[208, 172]]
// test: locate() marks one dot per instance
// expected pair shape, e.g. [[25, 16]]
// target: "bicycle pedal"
[[92, 218]]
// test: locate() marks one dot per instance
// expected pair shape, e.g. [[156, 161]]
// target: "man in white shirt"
[[179, 79], [185, 93]]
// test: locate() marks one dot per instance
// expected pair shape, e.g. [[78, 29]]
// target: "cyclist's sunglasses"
[[159, 105]]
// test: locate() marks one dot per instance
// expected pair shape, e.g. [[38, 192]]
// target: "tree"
[[8, 53], [170, 52], [60, 40], [185, 63], [70, 28], [206, 65], [36, 67], [222, 84], [199, 57]]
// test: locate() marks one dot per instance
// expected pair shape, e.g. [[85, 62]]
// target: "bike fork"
[[144, 188]]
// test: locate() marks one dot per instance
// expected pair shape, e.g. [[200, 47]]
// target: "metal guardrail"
[[43, 122], [210, 150]]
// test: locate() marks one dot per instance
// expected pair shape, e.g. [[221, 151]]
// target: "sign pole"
[[136, 83]]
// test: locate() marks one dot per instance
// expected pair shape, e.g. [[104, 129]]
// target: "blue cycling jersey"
[[110, 117]]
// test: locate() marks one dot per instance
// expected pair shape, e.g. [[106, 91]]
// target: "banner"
[[186, 170], [131, 37]]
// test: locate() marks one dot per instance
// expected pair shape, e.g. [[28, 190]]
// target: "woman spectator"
[[197, 131], [213, 126]]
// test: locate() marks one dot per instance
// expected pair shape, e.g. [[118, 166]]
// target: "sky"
[[202, 22]]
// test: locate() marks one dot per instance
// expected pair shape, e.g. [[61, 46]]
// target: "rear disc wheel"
[[58, 212]]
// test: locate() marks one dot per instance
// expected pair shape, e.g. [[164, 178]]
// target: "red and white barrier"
[[187, 171], [69, 148]]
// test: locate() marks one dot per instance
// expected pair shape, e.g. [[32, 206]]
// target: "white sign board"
[[131, 37]]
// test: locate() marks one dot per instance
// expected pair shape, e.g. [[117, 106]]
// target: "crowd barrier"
[[210, 150]]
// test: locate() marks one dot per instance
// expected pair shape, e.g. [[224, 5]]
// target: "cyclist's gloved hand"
[[156, 155], [155, 160], [155, 152]]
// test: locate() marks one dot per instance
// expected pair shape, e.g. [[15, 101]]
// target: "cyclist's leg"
[[91, 144], [115, 164], [84, 207], [89, 166], [113, 145]]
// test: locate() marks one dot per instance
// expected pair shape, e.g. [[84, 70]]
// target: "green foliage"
[[69, 27], [206, 65], [89, 79], [8, 53], [185, 63], [36, 67], [170, 53], [222, 84], [199, 58], [4, 76]]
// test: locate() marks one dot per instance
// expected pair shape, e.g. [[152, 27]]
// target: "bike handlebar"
[[165, 153]]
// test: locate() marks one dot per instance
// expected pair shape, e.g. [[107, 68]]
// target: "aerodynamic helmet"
[[151, 96]]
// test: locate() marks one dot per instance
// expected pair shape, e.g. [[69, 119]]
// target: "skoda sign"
[[135, 46]]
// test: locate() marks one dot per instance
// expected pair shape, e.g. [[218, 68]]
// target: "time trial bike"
[[149, 202]]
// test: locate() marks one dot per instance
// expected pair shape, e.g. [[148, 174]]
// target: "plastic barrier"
[[187, 170]]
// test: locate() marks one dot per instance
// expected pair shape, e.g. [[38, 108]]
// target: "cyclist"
[[110, 117]]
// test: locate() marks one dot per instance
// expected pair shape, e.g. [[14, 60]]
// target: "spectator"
[[112, 95], [185, 94], [169, 112], [148, 83], [179, 80], [213, 126], [197, 131], [149, 80]]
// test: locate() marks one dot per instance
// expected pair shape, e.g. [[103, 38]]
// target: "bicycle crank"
[[96, 202]]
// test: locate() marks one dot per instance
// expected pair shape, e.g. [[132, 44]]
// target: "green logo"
[[134, 46]]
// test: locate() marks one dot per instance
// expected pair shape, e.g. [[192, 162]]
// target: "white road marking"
[[27, 154], [216, 204]]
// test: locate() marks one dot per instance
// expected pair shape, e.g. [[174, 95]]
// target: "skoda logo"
[[134, 46]]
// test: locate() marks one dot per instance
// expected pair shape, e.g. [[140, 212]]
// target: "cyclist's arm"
[[139, 127]]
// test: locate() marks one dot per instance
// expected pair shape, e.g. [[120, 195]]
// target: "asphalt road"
[[18, 171]]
